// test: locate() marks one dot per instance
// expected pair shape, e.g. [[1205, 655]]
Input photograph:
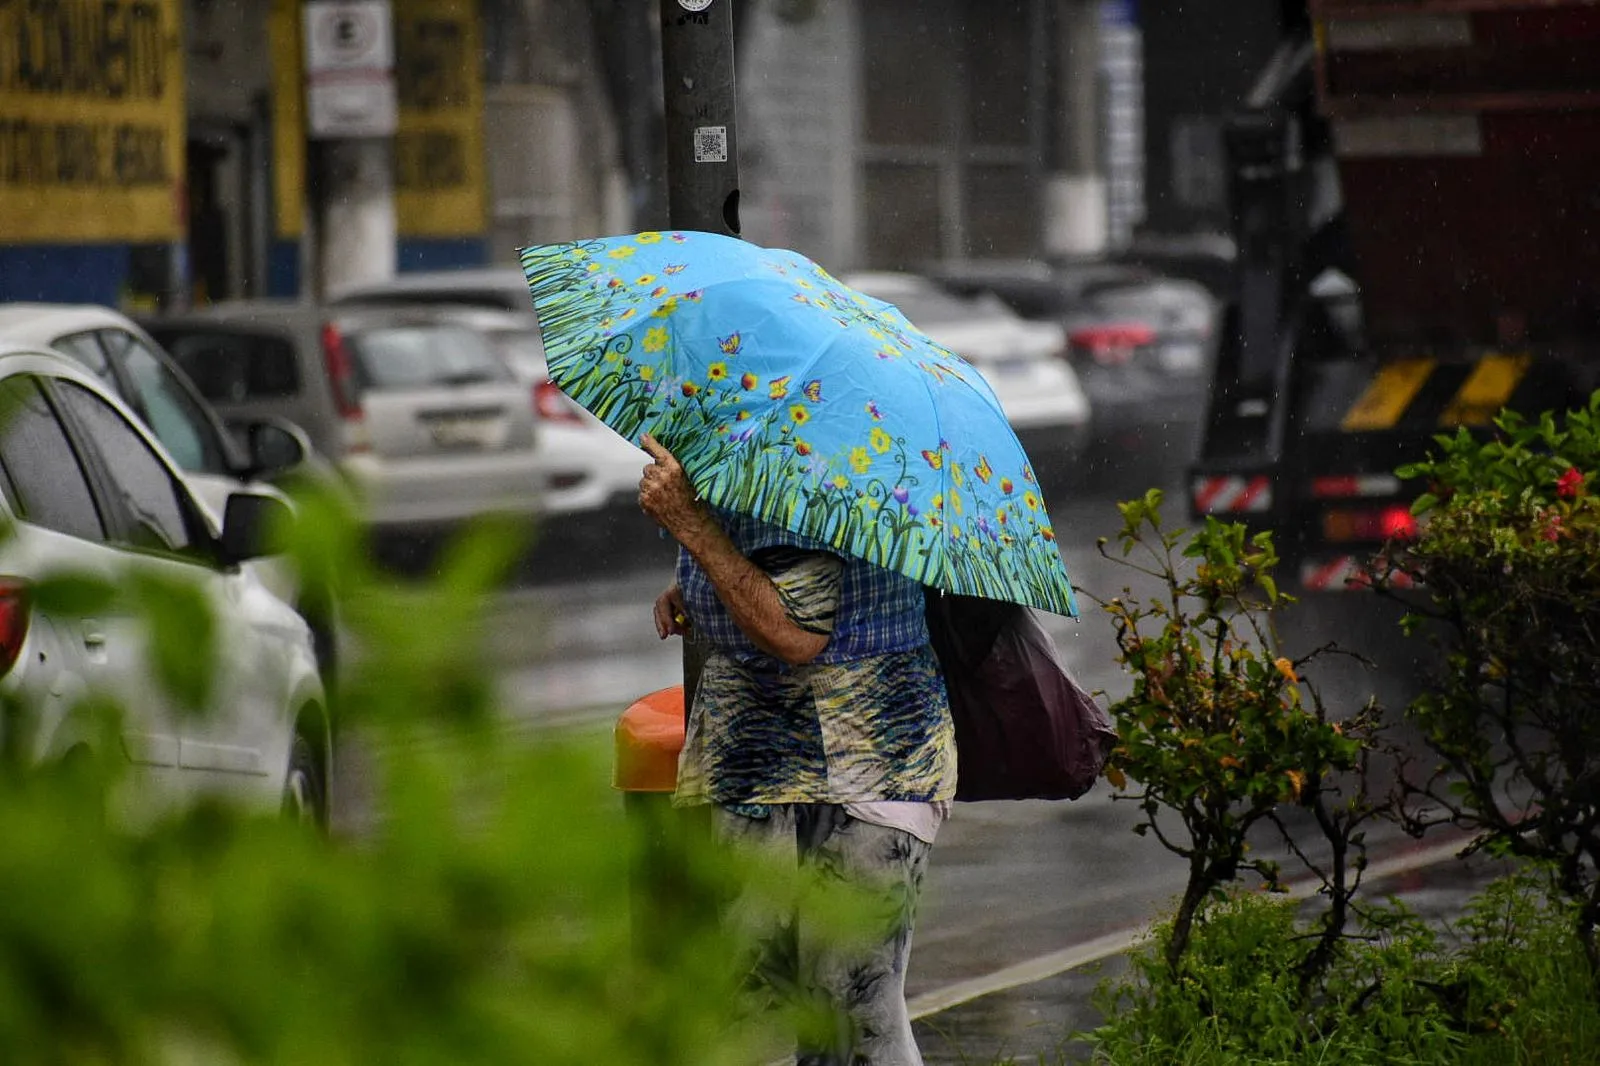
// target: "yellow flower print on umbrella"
[[791, 398]]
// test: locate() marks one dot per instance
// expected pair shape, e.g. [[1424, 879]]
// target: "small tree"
[[1509, 558], [1216, 729]]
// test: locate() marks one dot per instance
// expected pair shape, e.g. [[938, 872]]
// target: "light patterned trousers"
[[860, 986]]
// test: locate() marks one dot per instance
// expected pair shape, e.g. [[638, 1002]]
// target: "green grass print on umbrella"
[[789, 397]]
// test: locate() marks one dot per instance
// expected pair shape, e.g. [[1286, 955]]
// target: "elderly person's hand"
[[670, 616], [666, 495]]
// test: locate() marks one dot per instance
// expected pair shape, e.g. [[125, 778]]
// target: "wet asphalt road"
[[1012, 885]]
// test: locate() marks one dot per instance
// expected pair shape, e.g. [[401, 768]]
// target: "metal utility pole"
[[697, 83], [702, 194], [702, 158]]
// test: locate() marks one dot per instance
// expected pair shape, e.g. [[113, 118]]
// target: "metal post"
[[697, 53], [697, 48], [698, 89]]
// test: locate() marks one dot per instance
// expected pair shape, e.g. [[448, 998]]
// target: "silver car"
[[87, 490], [418, 412]]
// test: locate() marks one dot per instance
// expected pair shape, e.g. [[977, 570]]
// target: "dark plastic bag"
[[1024, 728]]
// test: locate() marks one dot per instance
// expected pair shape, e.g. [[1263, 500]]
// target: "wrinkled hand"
[[671, 619], [666, 495]]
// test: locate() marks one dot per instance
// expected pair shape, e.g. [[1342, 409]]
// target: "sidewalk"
[[1033, 1008]]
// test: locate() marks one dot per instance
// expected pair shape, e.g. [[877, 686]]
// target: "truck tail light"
[[1394, 522], [14, 613]]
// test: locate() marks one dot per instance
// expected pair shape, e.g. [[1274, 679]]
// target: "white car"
[[1020, 359], [588, 466], [125, 359], [86, 489]]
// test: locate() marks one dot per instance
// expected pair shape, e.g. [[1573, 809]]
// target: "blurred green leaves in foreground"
[[482, 914]]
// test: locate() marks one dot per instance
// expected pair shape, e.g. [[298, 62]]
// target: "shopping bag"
[[1024, 728]]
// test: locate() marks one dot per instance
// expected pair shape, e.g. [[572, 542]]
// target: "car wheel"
[[305, 788]]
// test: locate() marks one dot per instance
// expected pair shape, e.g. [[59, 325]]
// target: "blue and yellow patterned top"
[[867, 721]]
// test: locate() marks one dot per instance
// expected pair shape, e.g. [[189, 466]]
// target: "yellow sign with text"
[[91, 121], [440, 185], [439, 169]]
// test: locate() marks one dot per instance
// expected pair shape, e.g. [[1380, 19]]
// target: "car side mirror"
[[254, 524], [275, 446]]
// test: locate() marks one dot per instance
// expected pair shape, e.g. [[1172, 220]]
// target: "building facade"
[[154, 152]]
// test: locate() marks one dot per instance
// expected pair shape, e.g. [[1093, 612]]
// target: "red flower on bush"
[[1552, 529], [1570, 484]]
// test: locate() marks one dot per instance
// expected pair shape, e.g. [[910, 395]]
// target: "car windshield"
[[421, 357]]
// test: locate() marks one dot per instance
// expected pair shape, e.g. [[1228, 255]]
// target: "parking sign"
[[349, 50]]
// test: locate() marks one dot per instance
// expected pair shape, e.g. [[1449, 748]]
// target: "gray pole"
[[702, 194], [702, 150], [697, 84]]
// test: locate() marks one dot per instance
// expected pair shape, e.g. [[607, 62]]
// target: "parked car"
[[217, 460], [127, 360], [416, 411], [588, 467], [87, 489], [1021, 360], [1141, 343]]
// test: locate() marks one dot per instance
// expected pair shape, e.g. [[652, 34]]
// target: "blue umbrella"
[[792, 398]]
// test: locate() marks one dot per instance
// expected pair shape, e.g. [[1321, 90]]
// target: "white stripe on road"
[[1058, 962]]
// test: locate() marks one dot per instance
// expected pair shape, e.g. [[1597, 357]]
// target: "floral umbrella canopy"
[[792, 398]]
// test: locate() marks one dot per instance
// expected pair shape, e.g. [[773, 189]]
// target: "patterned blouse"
[[867, 721]]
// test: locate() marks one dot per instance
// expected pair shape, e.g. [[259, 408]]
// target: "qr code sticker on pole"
[[711, 144]]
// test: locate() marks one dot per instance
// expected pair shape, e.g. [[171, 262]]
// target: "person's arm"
[[744, 588]]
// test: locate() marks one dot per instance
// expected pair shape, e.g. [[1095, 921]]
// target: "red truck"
[[1415, 190]]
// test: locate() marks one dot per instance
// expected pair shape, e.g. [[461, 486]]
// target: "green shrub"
[[1216, 731], [1509, 563], [484, 916], [1506, 985]]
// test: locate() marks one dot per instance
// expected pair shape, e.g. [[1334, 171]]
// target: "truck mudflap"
[[1229, 494], [1348, 573]]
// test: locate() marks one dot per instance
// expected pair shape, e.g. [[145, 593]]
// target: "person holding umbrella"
[[821, 463], [820, 730]]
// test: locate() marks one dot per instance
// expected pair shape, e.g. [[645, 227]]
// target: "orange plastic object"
[[649, 736]]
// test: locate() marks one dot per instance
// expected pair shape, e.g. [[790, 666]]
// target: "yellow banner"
[[440, 186], [288, 119], [91, 121], [440, 179]]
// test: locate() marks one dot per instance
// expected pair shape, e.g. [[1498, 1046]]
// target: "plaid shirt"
[[865, 722], [877, 612]]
